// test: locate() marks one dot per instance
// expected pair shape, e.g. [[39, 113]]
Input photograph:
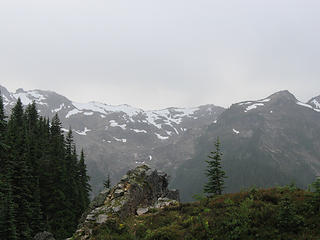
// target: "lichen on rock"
[[140, 190]]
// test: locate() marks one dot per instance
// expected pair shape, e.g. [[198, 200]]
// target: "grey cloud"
[[154, 54]]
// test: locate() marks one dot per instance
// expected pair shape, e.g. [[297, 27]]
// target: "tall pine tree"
[[7, 218], [19, 175], [33, 161], [214, 172], [84, 183], [57, 204]]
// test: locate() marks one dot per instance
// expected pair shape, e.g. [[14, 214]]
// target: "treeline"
[[43, 183]]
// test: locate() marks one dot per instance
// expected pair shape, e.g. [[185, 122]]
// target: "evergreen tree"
[[57, 182], [107, 182], [72, 191], [19, 176], [44, 165], [84, 183], [33, 161], [214, 172], [42, 183], [7, 220]]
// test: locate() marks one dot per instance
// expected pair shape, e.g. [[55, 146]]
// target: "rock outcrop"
[[137, 192]]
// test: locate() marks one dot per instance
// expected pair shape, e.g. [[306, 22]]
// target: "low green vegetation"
[[275, 213]]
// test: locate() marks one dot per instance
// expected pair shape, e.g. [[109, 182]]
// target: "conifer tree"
[[7, 220], [84, 183], [214, 172], [19, 175], [45, 174], [33, 161], [57, 202], [107, 182], [42, 183], [72, 194]]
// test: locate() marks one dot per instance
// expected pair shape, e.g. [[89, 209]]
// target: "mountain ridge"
[[117, 138]]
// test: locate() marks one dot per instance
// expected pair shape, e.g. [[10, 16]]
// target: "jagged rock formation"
[[140, 190]]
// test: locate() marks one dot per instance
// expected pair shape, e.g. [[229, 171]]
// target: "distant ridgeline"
[[43, 182]]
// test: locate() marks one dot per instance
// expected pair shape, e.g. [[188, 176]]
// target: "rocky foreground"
[[278, 213], [140, 191]]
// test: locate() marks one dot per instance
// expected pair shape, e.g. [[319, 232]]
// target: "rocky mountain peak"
[[315, 102], [139, 191], [284, 95]]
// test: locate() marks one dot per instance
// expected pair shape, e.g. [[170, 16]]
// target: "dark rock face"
[[137, 192], [44, 236]]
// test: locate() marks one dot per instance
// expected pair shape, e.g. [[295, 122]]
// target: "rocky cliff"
[[139, 191]]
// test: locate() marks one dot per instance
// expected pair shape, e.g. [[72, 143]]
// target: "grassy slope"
[[275, 213]]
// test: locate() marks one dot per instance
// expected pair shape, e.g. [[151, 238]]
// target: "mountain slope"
[[117, 138], [267, 142]]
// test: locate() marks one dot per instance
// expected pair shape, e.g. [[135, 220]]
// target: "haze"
[[155, 54]]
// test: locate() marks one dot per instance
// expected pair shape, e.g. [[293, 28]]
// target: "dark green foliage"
[[19, 172], [215, 173], [288, 218], [84, 185], [43, 185]]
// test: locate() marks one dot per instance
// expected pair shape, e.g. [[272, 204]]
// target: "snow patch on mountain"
[[235, 131], [139, 131], [120, 139], [316, 103], [84, 132], [58, 109], [161, 137], [28, 97], [168, 116], [105, 108], [73, 112], [264, 100], [308, 106], [88, 113], [253, 106], [23, 97], [113, 123], [5, 100]]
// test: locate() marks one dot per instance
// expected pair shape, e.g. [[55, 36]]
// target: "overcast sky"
[[160, 53]]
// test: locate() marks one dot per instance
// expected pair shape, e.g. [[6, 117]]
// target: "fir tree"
[[57, 202], [33, 161], [19, 175], [72, 193], [214, 172], [107, 182], [42, 183], [84, 183], [7, 220]]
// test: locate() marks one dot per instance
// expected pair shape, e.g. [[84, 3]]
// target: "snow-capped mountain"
[[267, 142], [116, 138], [315, 102]]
